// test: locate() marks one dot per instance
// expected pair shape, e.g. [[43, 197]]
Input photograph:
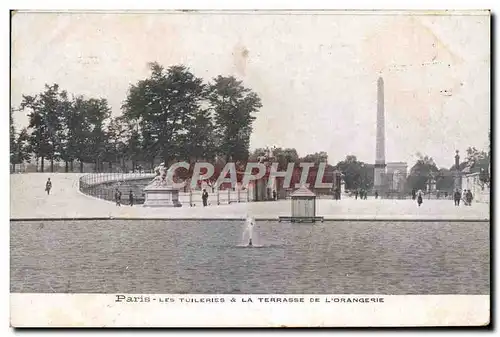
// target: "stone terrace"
[[29, 200]]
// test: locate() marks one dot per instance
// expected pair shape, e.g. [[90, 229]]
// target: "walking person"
[[131, 198], [376, 194], [420, 199], [118, 197], [274, 195], [456, 197], [204, 197], [48, 186], [464, 199], [337, 194], [356, 194], [469, 197]]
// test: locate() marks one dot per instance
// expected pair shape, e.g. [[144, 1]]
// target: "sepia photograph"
[[250, 168]]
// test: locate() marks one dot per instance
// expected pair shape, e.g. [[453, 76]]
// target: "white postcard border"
[[163, 310]]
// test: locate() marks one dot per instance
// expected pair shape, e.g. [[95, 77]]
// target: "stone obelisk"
[[378, 183]]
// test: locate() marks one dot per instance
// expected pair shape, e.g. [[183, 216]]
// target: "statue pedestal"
[[457, 183], [161, 196]]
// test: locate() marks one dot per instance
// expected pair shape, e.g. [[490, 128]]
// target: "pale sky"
[[316, 74]]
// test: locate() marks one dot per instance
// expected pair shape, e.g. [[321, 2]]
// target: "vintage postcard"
[[250, 169]]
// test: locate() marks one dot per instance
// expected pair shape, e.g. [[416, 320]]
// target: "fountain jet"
[[247, 237]]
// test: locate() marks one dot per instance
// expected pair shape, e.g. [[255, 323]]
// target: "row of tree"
[[356, 174], [476, 161], [172, 115], [360, 175]]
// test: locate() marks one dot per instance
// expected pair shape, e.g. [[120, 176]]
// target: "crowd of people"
[[466, 197], [362, 193], [118, 197]]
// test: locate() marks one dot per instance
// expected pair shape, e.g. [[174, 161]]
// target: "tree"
[[165, 106], [489, 143], [150, 146], [461, 166], [316, 158], [258, 152], [424, 169], [285, 156], [233, 106], [444, 180], [12, 133], [357, 174], [479, 161], [45, 113], [218, 167], [367, 176], [117, 137], [79, 135], [199, 140], [97, 113], [71, 134], [19, 145], [133, 146], [282, 156], [476, 159]]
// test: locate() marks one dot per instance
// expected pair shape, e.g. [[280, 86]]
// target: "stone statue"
[[161, 175], [161, 191], [160, 169], [267, 155], [264, 156]]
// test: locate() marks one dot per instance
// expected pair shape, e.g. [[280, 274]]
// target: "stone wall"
[[103, 186]]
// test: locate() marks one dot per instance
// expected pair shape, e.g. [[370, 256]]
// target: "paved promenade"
[[29, 200]]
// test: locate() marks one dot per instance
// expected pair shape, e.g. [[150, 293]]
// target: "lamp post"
[[362, 182], [396, 182], [341, 184], [457, 181], [431, 183], [337, 186]]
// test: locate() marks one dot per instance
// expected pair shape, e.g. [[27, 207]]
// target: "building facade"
[[396, 173], [472, 182]]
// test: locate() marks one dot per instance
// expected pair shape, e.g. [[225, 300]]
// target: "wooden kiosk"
[[303, 206]]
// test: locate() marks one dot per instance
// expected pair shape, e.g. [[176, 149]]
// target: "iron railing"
[[104, 186]]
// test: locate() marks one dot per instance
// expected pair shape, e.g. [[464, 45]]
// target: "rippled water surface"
[[116, 256]]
